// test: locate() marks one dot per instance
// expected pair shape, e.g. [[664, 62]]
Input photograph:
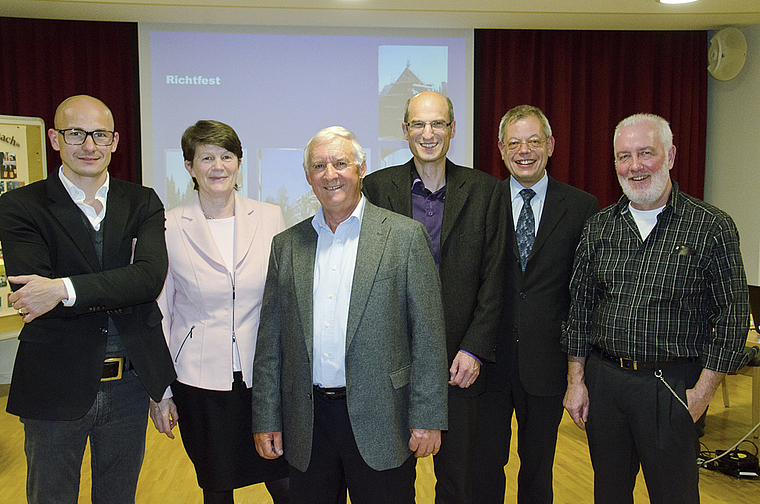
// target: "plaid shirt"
[[681, 292]]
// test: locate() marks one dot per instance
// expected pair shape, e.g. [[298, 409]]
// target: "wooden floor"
[[168, 477]]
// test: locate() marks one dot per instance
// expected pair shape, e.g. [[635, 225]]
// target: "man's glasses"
[[76, 136], [420, 125], [531, 143]]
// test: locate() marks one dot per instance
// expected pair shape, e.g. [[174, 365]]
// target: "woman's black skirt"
[[216, 431]]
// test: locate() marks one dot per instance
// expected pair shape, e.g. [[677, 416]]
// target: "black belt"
[[114, 368], [331, 394], [638, 365]]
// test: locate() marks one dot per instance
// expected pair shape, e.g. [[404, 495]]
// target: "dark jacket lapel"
[[115, 223], [400, 198], [456, 197], [555, 208], [63, 209]]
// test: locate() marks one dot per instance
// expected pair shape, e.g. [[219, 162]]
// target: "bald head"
[[429, 99], [84, 162], [81, 104]]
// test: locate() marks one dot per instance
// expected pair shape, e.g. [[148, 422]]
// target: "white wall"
[[732, 173], [8, 349]]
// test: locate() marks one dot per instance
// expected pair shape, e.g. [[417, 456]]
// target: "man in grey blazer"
[[349, 375], [529, 376]]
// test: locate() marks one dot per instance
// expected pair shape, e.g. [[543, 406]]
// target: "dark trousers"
[[538, 419], [634, 420], [452, 464], [336, 462], [115, 426]]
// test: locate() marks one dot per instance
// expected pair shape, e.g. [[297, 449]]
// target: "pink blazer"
[[197, 299]]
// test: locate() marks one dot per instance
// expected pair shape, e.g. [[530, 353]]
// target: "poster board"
[[22, 153]]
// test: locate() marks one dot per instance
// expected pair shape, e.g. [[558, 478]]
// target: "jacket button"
[[523, 295]]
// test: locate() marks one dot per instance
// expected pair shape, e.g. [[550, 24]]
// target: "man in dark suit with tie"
[[460, 209], [529, 377], [349, 375], [86, 258]]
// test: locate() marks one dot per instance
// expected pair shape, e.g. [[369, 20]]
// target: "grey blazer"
[[396, 366]]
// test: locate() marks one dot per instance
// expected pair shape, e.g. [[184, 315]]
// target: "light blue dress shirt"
[[333, 277], [536, 204]]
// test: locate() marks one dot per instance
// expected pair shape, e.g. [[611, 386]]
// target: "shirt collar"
[[319, 224], [539, 188], [78, 195], [419, 189], [418, 186]]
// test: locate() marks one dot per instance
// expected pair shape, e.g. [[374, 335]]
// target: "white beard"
[[657, 186]]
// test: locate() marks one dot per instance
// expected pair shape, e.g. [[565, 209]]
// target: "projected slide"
[[277, 90]]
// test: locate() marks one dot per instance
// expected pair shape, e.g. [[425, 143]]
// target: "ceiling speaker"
[[727, 53]]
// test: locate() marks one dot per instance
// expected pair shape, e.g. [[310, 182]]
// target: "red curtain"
[[586, 82], [46, 61]]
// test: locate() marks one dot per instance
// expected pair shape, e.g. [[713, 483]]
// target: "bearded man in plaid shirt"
[[659, 315]]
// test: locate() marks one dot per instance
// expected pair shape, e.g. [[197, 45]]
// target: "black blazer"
[[60, 356], [472, 251], [537, 302]]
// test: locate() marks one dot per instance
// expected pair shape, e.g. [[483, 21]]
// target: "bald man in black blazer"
[[86, 258]]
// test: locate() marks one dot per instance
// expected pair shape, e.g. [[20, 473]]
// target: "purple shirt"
[[427, 208]]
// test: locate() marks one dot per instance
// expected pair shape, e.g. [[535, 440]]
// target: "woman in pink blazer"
[[218, 244]]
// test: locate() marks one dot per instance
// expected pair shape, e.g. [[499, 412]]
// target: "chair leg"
[[724, 385], [756, 399]]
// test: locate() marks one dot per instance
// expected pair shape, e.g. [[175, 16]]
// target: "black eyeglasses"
[[76, 136]]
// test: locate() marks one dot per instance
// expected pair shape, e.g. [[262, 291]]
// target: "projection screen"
[[278, 86]]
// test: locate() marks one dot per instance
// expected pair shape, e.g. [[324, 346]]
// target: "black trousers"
[[538, 419], [453, 463], [336, 463], [635, 421]]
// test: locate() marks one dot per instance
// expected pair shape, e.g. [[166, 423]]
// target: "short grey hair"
[[660, 125], [522, 112], [331, 133]]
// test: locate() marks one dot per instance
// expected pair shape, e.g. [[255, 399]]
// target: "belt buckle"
[[119, 361], [331, 394], [628, 364]]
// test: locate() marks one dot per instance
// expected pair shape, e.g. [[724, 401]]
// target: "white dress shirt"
[[95, 218], [333, 277]]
